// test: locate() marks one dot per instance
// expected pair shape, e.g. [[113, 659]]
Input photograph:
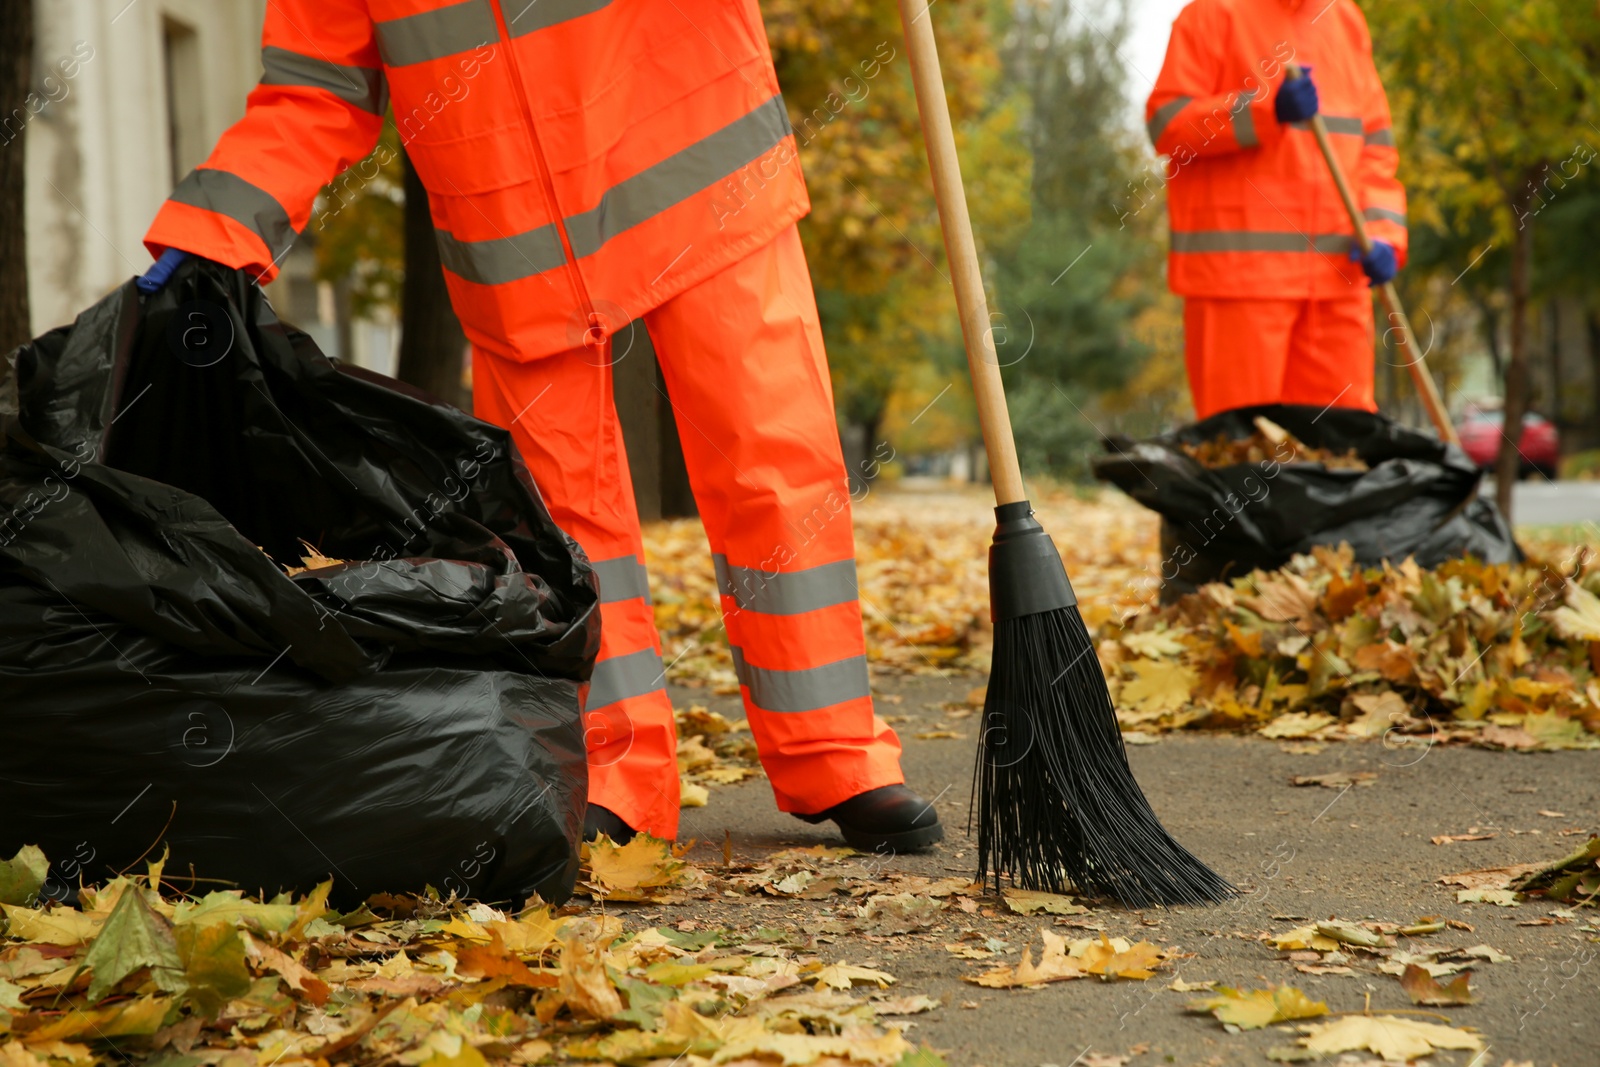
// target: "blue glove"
[[1379, 264], [156, 278], [1297, 98]]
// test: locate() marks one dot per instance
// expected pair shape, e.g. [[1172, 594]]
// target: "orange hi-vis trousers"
[[743, 359], [1245, 352]]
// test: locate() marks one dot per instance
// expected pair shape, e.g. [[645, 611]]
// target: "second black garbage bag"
[[405, 716], [1416, 496]]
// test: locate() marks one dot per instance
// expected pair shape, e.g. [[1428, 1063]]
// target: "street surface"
[[1536, 502], [1301, 855]]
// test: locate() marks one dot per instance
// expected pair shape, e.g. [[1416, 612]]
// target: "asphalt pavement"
[[1537, 502], [1300, 854]]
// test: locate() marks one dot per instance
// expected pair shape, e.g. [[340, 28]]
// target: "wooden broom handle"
[[1415, 363], [962, 252]]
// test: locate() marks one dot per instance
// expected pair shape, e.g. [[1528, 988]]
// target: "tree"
[[16, 74], [872, 238], [1071, 287], [1493, 101]]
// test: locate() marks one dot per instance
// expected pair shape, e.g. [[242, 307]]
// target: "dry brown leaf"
[[1421, 987]]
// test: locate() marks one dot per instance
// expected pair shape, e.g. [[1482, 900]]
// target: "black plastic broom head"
[[1057, 802]]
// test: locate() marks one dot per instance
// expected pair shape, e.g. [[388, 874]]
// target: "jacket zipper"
[[591, 320]]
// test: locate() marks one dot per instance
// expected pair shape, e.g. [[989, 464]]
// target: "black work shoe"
[[601, 820], [888, 820]]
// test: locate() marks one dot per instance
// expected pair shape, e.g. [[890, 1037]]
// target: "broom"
[[1057, 801], [1407, 341]]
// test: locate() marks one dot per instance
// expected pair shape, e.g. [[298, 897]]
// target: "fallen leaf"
[[1260, 1007], [1421, 987], [1389, 1036], [1450, 839], [132, 939], [845, 975], [1180, 986], [643, 869], [1029, 901], [213, 959], [23, 875], [915, 1004], [1297, 724], [1335, 780], [494, 961], [55, 926], [1158, 686], [1504, 898]]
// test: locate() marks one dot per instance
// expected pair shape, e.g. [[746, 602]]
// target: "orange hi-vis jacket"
[[1253, 208], [585, 160]]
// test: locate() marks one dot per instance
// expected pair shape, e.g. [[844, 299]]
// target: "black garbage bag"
[[1415, 499], [408, 718]]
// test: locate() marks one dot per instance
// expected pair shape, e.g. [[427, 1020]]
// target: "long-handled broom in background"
[[1057, 800], [1407, 341]]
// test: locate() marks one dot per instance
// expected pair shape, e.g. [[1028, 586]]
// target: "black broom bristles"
[[1057, 801]]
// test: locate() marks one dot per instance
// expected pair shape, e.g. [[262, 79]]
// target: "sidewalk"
[[1300, 854]]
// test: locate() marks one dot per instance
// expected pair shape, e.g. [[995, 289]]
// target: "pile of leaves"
[[922, 565], [137, 969], [1270, 443], [1501, 655]]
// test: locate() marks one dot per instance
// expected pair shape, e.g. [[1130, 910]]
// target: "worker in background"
[[589, 163], [1277, 304]]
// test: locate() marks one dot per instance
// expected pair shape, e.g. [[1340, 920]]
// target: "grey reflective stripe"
[[1244, 123], [790, 592], [623, 578], [434, 34], [502, 259], [362, 87], [678, 177], [1382, 214], [1384, 136], [1257, 241], [621, 677], [251, 207], [1164, 115], [1343, 124], [538, 14], [803, 690]]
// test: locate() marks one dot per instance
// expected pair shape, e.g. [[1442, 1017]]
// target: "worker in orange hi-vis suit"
[[1277, 309], [588, 163]]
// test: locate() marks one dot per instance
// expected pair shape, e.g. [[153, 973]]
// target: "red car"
[[1540, 444]]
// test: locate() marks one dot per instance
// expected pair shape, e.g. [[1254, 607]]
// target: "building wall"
[[102, 152], [141, 91]]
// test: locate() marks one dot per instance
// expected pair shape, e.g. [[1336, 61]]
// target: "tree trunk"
[[649, 430], [1509, 461], [1553, 350], [1491, 337], [1592, 321], [16, 72], [432, 345]]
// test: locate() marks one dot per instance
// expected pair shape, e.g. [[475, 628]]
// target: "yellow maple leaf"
[[844, 975], [1259, 1007], [1157, 686], [1391, 1038], [639, 870], [1579, 619], [1117, 958], [56, 926]]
